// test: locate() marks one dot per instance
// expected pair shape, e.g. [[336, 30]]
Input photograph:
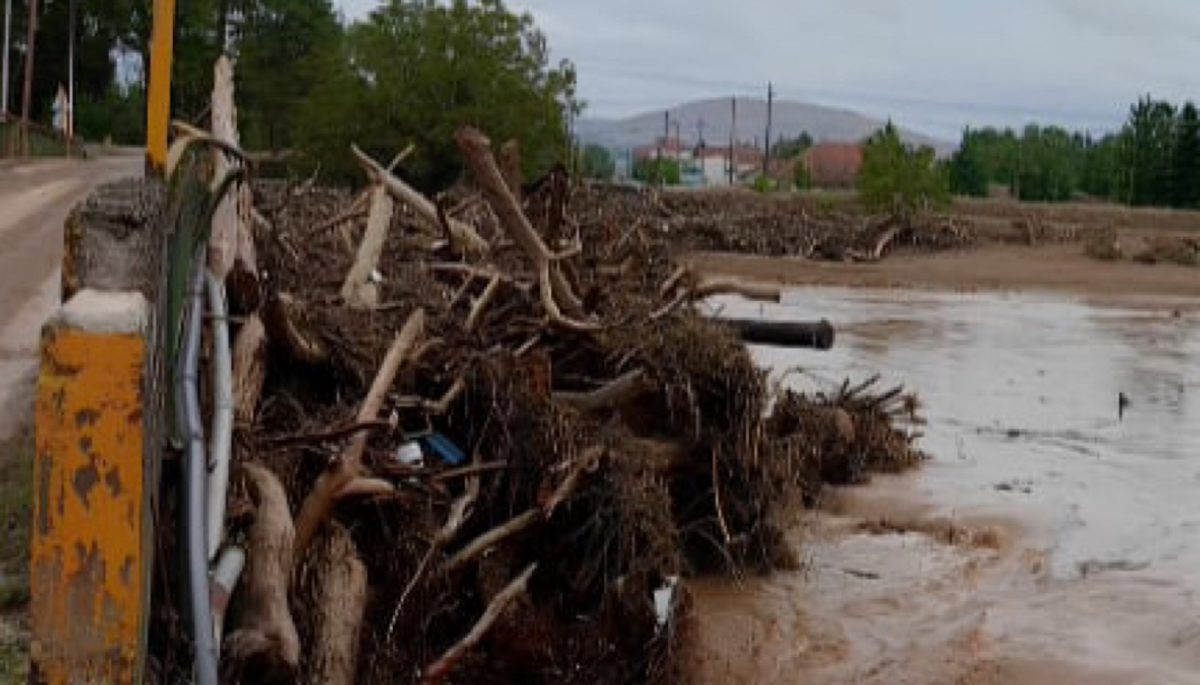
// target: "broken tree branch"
[[359, 291], [440, 669], [481, 305], [465, 238], [476, 150]]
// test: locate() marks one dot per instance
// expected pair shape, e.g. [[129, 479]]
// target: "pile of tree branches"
[[477, 440]]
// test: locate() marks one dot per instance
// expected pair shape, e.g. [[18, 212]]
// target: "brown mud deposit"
[[1047, 541]]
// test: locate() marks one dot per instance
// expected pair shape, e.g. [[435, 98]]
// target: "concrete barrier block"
[[90, 547]]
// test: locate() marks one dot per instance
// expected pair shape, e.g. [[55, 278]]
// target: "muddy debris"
[[506, 448]]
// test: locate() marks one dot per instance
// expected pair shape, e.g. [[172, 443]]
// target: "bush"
[[899, 180]]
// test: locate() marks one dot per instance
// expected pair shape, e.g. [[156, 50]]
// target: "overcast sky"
[[932, 65]]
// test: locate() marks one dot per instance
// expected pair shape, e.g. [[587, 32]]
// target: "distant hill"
[[824, 124]]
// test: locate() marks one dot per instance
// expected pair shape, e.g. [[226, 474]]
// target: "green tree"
[[898, 179], [282, 47], [597, 162], [968, 167], [1146, 151], [1187, 158], [417, 70]]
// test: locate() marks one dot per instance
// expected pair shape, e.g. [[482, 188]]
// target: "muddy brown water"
[[1047, 541]]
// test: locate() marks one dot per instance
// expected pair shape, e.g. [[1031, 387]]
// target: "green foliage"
[[277, 37], [597, 162], [657, 171], [763, 184], [417, 70], [1187, 158], [898, 179], [969, 168]]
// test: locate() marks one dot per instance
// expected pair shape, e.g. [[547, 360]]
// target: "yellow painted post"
[[89, 571], [158, 98]]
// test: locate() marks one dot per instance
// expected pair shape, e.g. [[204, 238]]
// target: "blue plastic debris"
[[443, 449]]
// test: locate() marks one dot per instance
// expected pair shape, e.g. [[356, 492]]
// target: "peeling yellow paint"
[[88, 560]]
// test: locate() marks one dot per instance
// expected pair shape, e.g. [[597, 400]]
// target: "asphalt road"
[[35, 199]]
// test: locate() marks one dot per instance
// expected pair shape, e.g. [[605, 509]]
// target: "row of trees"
[[1153, 160], [411, 72]]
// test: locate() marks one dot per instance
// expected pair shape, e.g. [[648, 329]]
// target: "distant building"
[[702, 165], [833, 165]]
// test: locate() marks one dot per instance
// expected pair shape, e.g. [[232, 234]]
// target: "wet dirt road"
[[35, 199], [1048, 541]]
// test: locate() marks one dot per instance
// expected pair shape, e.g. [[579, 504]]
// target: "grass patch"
[[16, 503]]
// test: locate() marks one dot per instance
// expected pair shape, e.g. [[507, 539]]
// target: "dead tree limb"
[[485, 541], [265, 637], [359, 290], [341, 601], [484, 301], [531, 517], [555, 291], [615, 393], [440, 669], [464, 237], [320, 500], [249, 369]]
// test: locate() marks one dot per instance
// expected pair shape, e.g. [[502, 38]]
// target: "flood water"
[[1048, 540]]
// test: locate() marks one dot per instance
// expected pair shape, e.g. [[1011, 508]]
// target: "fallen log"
[[817, 335]]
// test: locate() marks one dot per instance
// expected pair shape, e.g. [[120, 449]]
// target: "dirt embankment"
[[1085, 249]]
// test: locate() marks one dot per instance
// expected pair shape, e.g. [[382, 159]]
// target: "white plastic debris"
[[376, 277], [410, 454], [665, 599]]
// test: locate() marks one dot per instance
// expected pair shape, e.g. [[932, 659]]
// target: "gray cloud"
[[932, 64]]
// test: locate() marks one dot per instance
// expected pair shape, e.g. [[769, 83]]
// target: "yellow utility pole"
[[158, 98]]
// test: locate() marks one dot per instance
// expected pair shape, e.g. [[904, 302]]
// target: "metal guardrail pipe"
[[221, 439], [195, 478]]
